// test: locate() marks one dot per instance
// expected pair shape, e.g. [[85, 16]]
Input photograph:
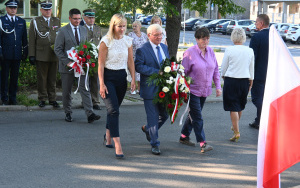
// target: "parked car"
[[293, 34], [211, 26], [254, 30], [201, 22], [163, 20], [283, 31], [138, 15], [238, 24], [189, 23], [248, 30], [147, 20], [222, 27], [141, 18]]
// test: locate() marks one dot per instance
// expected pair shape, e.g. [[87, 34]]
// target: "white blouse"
[[238, 62], [117, 55]]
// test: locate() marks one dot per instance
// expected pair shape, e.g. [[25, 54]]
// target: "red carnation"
[[162, 94], [183, 95], [88, 57], [83, 60], [85, 46], [170, 106], [93, 65], [81, 52], [174, 96]]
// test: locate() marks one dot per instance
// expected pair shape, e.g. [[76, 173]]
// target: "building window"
[[20, 10], [34, 8]]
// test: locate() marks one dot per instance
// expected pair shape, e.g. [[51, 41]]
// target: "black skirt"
[[235, 92]]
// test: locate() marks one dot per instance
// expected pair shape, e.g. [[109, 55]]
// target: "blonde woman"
[[157, 20], [139, 38], [238, 73], [115, 55]]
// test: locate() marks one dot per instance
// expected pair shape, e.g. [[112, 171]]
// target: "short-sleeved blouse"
[[117, 55], [137, 41]]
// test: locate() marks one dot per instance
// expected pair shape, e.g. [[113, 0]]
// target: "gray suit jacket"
[[65, 40]]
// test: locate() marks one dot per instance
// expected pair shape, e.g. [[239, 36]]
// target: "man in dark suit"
[[13, 49], [260, 45], [42, 34], [70, 36], [94, 36], [148, 60]]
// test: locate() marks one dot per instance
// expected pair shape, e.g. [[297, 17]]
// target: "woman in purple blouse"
[[200, 63]]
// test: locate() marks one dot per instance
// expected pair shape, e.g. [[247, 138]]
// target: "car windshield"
[[190, 19], [213, 22]]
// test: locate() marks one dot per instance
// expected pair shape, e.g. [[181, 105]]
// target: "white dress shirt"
[[238, 62], [47, 19], [78, 32], [155, 50], [13, 17], [89, 27]]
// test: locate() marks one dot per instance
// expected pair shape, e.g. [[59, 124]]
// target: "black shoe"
[[42, 104], [93, 117], [146, 132], [186, 141], [4, 103], [104, 142], [68, 117], [121, 156], [254, 125], [54, 104], [12, 102], [96, 107], [155, 150]]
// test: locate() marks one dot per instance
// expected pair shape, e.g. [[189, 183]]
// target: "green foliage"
[[23, 99], [27, 76], [170, 76]]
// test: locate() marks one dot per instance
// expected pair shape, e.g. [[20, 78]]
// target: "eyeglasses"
[[158, 35]]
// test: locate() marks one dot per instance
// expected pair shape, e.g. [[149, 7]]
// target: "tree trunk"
[[173, 27], [60, 2]]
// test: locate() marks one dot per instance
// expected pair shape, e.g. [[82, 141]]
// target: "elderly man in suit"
[[148, 60], [260, 45], [13, 49], [70, 36], [42, 34], [94, 36]]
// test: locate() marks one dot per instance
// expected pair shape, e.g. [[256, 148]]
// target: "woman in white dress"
[[115, 55], [139, 38]]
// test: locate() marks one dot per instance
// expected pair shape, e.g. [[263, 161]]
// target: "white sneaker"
[[133, 93]]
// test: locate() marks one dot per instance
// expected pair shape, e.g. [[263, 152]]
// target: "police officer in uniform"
[[94, 36], [42, 34], [13, 49]]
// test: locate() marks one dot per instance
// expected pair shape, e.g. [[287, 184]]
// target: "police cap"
[[46, 5], [12, 3]]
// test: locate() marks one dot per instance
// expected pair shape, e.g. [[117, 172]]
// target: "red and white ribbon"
[[77, 67]]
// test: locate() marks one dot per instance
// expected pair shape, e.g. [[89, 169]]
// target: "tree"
[[172, 8], [59, 8]]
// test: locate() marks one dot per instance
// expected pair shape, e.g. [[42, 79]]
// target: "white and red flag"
[[279, 132]]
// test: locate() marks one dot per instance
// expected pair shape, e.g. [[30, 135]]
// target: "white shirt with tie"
[[155, 51], [11, 17], [89, 27], [78, 32], [47, 20]]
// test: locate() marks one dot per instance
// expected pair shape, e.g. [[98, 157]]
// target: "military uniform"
[[13, 49], [94, 36], [42, 36]]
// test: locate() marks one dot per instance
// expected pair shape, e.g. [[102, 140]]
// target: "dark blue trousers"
[[194, 119], [156, 117], [116, 84], [257, 94], [9, 80]]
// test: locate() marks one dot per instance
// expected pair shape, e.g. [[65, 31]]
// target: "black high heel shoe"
[[104, 142], [121, 156]]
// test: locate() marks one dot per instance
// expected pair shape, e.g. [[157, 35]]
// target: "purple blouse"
[[202, 70]]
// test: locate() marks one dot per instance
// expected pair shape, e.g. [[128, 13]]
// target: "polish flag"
[[279, 132]]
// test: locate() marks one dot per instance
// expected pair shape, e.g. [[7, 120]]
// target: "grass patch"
[[23, 99], [217, 50]]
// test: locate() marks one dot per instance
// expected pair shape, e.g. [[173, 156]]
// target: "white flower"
[[165, 89], [183, 74], [171, 78], [169, 82], [181, 70], [187, 89], [181, 80], [167, 69], [181, 67], [181, 87]]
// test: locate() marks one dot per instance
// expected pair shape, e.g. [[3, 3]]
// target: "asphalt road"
[[40, 149]]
